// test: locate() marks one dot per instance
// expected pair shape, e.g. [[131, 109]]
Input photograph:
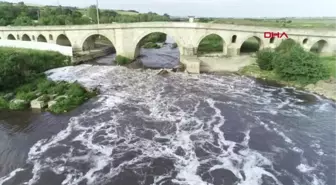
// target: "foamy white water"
[[181, 129]]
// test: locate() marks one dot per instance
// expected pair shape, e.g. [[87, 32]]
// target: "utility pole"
[[97, 12]]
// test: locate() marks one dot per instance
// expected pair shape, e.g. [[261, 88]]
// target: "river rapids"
[[182, 129]]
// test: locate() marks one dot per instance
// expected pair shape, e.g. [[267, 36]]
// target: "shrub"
[[286, 45], [60, 106], [26, 87], [26, 96], [3, 103], [76, 96], [265, 59], [75, 90], [299, 65], [154, 37], [121, 60], [59, 89], [18, 66], [45, 85], [44, 98], [174, 45], [149, 45]]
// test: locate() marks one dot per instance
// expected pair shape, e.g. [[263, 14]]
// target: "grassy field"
[[287, 23]]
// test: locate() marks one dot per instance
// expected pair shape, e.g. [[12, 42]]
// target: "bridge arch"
[[211, 43], [25, 37], [140, 41], [41, 38], [319, 46], [97, 41], [63, 40], [11, 37], [251, 44]]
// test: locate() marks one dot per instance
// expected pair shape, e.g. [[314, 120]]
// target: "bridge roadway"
[[125, 37]]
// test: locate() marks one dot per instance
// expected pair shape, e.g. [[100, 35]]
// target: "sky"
[[211, 8]]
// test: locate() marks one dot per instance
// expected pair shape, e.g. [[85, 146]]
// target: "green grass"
[[121, 60], [330, 62]]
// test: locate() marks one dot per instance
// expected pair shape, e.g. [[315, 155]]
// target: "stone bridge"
[[125, 37]]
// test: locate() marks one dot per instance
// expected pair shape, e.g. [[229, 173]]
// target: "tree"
[[92, 12], [23, 21], [166, 15]]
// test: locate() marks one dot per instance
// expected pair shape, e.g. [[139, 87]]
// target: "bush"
[[4, 104], [265, 59], [286, 45], [26, 96], [17, 66], [75, 90], [292, 63], [44, 98], [299, 65], [76, 95], [150, 45], [44, 86], [154, 37], [121, 60], [26, 87], [174, 45], [59, 89]]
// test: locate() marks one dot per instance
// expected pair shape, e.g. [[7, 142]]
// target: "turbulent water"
[[178, 129]]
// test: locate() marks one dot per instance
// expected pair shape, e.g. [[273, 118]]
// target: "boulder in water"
[[17, 104], [37, 104], [163, 72], [178, 68]]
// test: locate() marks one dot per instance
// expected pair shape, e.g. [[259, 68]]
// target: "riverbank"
[[24, 85], [324, 88]]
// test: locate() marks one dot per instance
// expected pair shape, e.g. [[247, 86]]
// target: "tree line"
[[20, 14]]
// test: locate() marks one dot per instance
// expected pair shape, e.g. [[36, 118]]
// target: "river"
[[177, 129]]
